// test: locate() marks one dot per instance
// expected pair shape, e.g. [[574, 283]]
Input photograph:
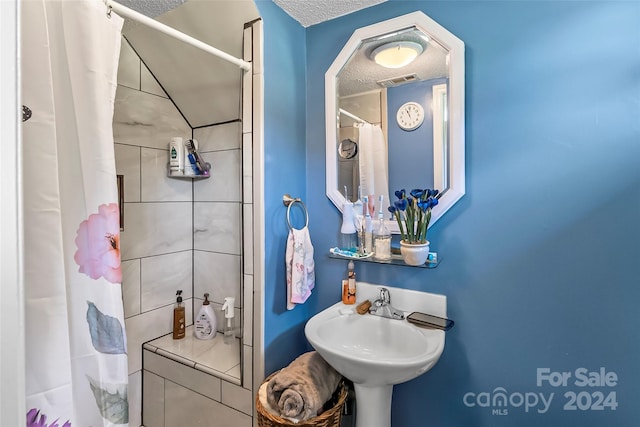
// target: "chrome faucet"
[[382, 306]]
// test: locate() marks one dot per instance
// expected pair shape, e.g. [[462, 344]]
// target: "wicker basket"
[[329, 418]]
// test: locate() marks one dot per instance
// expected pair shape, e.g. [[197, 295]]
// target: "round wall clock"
[[410, 116], [347, 149]]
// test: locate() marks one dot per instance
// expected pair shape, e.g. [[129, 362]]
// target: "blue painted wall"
[[540, 260], [410, 151], [284, 172]]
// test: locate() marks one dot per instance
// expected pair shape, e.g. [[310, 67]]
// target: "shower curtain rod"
[[353, 116], [136, 16]]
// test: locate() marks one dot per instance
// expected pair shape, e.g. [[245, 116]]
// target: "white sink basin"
[[372, 350], [375, 352]]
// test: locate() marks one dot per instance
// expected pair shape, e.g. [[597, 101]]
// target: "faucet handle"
[[385, 297]]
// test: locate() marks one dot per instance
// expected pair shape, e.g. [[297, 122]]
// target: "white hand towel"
[[300, 267]]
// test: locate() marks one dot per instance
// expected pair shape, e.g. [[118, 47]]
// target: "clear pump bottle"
[[229, 328], [381, 238]]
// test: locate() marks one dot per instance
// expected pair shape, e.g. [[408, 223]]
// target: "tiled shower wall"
[[178, 234]]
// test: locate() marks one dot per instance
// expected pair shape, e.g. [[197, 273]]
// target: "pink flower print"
[[98, 242]]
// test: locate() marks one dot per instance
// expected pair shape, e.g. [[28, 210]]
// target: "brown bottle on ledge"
[[178, 317]]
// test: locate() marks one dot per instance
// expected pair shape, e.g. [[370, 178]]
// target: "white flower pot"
[[414, 253]]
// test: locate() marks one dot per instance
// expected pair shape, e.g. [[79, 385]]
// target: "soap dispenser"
[[229, 328], [178, 317], [205, 324]]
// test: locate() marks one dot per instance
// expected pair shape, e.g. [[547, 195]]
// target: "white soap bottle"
[[229, 328], [205, 327]]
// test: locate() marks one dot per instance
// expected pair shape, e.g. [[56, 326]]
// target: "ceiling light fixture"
[[396, 54]]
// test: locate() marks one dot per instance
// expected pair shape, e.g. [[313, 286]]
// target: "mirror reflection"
[[395, 114], [392, 130]]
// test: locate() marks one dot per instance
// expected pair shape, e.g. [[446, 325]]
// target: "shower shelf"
[[189, 177]]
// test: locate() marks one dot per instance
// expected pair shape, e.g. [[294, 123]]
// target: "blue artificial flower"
[[392, 209], [400, 194], [418, 193], [424, 205], [401, 204]]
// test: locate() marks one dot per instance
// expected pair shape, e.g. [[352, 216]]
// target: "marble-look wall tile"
[[153, 405], [237, 397], [147, 326], [224, 182], [128, 164], [131, 287], [218, 137], [247, 95], [184, 407], [149, 84], [247, 167], [218, 274], [156, 228], [247, 309], [162, 275], [134, 394], [217, 227], [147, 120], [198, 381], [247, 367], [128, 66], [247, 237], [156, 186]]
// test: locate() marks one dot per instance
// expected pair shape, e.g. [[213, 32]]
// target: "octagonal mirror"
[[399, 125]]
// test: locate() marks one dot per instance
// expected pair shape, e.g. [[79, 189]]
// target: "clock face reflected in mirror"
[[410, 116], [348, 149]]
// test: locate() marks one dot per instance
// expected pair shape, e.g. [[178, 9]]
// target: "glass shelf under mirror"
[[396, 259]]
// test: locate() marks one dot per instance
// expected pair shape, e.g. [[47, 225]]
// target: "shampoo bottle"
[[178, 317], [229, 328], [176, 156], [205, 324]]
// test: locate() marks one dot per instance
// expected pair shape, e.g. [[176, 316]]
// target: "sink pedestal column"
[[373, 405]]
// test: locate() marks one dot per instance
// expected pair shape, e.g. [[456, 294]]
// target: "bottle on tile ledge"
[[205, 327], [178, 317], [229, 328]]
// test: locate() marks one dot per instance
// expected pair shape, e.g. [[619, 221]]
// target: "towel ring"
[[289, 201]]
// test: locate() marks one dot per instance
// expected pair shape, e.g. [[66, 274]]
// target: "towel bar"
[[289, 201]]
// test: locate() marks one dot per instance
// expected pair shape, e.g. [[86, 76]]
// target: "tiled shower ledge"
[[211, 356]]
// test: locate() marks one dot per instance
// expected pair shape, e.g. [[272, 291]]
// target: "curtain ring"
[[109, 8]]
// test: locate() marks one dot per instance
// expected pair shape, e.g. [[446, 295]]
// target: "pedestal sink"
[[375, 352]]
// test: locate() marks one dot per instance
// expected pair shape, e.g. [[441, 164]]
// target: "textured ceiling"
[[310, 12], [361, 74]]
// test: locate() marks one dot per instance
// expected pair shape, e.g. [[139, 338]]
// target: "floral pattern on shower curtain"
[[76, 350]]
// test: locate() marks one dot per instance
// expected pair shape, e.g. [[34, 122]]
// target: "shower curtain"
[[373, 165], [76, 361]]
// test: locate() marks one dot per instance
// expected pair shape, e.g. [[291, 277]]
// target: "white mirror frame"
[[455, 57]]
